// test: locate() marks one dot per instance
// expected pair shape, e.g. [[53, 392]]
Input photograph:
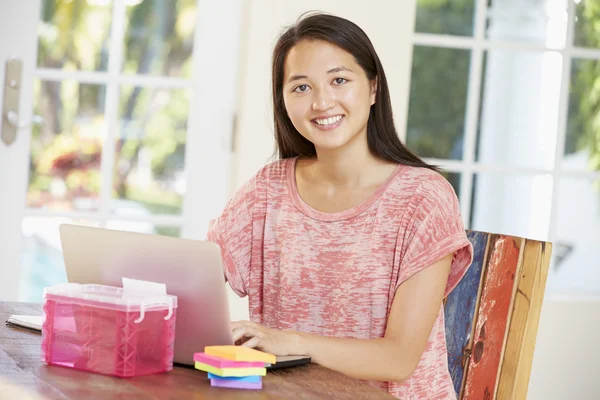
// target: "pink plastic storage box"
[[108, 330]]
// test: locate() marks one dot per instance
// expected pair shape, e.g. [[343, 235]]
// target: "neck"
[[351, 165]]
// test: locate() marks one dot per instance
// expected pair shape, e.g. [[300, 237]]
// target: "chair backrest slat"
[[522, 331], [460, 310], [492, 316]]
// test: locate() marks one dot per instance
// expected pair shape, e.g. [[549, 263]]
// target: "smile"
[[328, 123]]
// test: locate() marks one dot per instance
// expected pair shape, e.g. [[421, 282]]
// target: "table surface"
[[24, 376]]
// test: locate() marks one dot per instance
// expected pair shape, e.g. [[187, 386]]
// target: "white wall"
[[566, 351], [566, 363]]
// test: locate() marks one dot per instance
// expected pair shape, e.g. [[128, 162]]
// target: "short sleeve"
[[232, 231], [435, 230]]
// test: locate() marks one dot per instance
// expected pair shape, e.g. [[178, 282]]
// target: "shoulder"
[[276, 170], [274, 174], [417, 192], [271, 176], [423, 185]]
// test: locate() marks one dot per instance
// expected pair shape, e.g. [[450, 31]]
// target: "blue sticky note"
[[249, 379]]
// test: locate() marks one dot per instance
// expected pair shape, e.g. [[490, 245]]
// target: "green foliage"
[[71, 33], [158, 41], [583, 131], [452, 17], [440, 76], [157, 202], [438, 91]]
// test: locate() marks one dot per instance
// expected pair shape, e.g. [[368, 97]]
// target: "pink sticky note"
[[235, 384], [222, 363]]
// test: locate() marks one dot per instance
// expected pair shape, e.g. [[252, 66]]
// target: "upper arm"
[[415, 307], [433, 230], [233, 232], [433, 255]]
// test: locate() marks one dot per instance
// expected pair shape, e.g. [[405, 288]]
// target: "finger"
[[238, 324], [237, 334], [245, 332], [252, 343], [235, 324]]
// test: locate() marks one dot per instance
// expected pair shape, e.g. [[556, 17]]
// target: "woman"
[[347, 245]]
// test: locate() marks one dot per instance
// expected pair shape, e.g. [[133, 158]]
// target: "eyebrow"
[[331, 71]]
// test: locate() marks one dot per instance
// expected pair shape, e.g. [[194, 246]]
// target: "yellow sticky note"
[[237, 372], [239, 353]]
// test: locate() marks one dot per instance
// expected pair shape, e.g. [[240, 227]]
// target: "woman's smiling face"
[[327, 94]]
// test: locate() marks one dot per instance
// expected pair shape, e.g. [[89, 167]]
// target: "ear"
[[373, 90]]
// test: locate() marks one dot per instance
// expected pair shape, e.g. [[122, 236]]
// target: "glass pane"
[[454, 179], [438, 98], [159, 37], [66, 148], [73, 34], [575, 251], [144, 227], [582, 147], [519, 108], [451, 17], [587, 23], [42, 259], [516, 205], [541, 22], [150, 151]]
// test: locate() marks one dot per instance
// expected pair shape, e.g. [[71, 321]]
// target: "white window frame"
[[210, 119], [468, 166]]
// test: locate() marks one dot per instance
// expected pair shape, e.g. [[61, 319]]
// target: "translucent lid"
[[114, 298]]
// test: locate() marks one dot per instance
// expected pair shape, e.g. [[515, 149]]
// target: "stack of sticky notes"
[[234, 366]]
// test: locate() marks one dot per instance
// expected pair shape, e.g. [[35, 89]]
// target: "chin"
[[333, 143], [328, 140], [328, 145]]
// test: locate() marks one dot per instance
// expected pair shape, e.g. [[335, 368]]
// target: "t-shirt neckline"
[[336, 216]]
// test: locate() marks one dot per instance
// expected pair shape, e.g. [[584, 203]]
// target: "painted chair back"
[[492, 317]]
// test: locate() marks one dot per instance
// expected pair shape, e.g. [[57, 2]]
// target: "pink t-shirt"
[[335, 274]]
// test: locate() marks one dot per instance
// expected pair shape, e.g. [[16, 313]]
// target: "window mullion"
[[563, 109], [115, 61]]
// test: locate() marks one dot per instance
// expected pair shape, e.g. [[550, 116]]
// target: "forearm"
[[368, 359]]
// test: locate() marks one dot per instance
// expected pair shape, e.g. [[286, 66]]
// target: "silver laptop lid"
[[191, 270]]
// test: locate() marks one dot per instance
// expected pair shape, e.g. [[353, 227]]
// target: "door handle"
[[11, 94], [13, 119]]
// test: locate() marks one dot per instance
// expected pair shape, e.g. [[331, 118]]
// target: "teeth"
[[328, 121]]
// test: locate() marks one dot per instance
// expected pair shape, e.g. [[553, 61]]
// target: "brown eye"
[[340, 81], [301, 88]]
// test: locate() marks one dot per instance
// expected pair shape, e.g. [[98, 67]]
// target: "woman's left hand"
[[276, 342]]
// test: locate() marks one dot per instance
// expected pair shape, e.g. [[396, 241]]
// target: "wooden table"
[[24, 376]]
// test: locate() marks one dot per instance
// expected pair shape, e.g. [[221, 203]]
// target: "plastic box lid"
[[112, 298]]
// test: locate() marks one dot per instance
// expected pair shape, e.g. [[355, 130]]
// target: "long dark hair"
[[382, 138]]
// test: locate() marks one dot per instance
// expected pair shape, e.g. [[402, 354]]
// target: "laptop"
[[190, 269]]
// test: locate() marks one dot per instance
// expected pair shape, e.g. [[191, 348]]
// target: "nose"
[[323, 100]]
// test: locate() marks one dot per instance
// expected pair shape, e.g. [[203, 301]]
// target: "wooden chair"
[[492, 317]]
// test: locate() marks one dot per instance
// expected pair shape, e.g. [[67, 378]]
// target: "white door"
[[132, 104]]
